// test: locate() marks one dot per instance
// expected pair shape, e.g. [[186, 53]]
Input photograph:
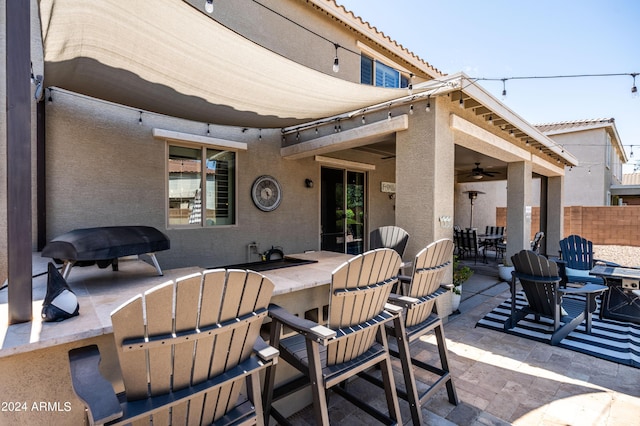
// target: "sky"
[[533, 38]]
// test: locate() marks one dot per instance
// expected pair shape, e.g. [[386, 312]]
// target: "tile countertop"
[[100, 291]]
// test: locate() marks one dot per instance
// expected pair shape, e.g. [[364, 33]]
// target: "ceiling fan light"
[[477, 177]]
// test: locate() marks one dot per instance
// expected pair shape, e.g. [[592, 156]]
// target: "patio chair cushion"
[[577, 272]]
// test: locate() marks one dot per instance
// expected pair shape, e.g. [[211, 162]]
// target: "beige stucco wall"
[[587, 184], [425, 176], [104, 168]]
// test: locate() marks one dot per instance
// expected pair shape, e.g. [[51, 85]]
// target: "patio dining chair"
[[419, 317], [469, 245], [186, 349], [576, 254], [537, 240], [353, 340], [495, 244], [540, 281]]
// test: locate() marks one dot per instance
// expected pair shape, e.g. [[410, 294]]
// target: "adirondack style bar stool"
[[353, 340], [540, 281], [186, 350], [419, 318], [392, 237]]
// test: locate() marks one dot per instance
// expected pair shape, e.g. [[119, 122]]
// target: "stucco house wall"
[[105, 168], [586, 185]]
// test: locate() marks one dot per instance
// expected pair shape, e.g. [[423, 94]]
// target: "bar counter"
[[33, 356]]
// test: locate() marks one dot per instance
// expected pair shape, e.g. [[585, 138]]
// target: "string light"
[[140, 118], [336, 61], [208, 132], [491, 119], [208, 6], [634, 89], [50, 98], [411, 109], [259, 134], [428, 107]]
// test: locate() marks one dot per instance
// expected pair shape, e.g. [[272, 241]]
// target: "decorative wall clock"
[[266, 193]]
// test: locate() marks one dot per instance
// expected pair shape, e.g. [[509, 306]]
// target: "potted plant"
[[461, 273], [504, 269]]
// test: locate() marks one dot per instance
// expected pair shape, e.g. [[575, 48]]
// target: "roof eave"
[[486, 99], [356, 23]]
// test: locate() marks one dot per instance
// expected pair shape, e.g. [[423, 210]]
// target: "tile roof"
[[573, 125], [631, 179], [365, 27]]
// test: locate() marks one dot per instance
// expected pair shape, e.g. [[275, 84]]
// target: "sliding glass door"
[[343, 214]]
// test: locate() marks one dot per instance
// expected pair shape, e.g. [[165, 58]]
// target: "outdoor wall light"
[[308, 183], [208, 6]]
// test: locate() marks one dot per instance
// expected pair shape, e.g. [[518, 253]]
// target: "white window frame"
[[375, 56], [187, 140]]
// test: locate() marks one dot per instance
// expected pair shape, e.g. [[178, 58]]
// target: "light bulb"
[[634, 91], [428, 107], [411, 110], [208, 6], [336, 64]]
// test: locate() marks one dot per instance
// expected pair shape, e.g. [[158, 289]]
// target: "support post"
[[18, 158]]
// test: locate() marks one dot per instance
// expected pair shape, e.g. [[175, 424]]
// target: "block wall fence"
[[607, 225]]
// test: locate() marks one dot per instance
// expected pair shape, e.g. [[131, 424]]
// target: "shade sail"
[[168, 57]]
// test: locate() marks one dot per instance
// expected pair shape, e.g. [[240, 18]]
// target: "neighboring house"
[[628, 193], [598, 148], [132, 88]]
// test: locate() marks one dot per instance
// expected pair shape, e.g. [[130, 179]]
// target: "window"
[[376, 73], [201, 186], [608, 152]]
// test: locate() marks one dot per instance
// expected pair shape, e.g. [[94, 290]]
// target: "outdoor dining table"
[[622, 300]]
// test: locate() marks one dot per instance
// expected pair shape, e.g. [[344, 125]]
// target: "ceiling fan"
[[478, 172]]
